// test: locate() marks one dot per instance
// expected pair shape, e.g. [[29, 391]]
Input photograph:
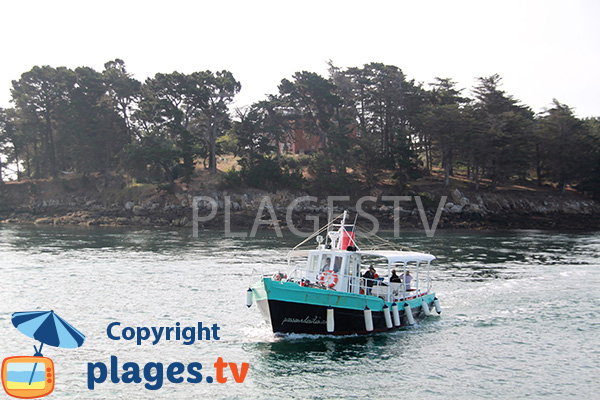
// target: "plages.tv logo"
[[27, 377]]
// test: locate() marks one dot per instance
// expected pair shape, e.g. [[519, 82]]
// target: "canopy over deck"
[[398, 256]]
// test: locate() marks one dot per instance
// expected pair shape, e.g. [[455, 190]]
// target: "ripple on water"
[[520, 315]]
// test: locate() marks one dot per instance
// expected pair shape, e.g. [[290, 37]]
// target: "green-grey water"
[[520, 316]]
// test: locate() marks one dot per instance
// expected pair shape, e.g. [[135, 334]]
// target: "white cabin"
[[339, 264]]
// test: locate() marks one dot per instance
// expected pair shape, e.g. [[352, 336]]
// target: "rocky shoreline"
[[35, 203]]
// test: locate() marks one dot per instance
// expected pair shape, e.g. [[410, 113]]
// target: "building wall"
[[304, 144]]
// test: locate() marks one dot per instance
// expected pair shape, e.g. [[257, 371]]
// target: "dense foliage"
[[371, 124]]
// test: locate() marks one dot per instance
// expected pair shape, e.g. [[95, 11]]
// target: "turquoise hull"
[[291, 308]]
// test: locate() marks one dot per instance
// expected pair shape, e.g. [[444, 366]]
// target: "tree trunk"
[[427, 158], [36, 161], [430, 154], [447, 164], [469, 169], [323, 139], [17, 162], [28, 162], [50, 147], [538, 165], [213, 147], [107, 159], [562, 183], [278, 151], [168, 175], [447, 175], [427, 155]]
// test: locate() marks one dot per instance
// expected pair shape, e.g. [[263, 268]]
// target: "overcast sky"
[[542, 49]]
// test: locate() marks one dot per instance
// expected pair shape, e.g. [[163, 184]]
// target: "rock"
[[138, 210], [456, 209], [463, 201], [180, 221], [456, 195], [129, 205], [477, 209], [44, 221]]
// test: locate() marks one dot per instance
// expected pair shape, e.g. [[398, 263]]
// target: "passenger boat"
[[331, 292]]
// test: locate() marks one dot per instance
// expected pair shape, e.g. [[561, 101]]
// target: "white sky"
[[542, 49]]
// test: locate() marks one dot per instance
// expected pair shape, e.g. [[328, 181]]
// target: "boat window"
[[354, 265], [313, 265], [422, 279], [411, 273], [326, 262], [399, 268], [337, 264], [354, 272]]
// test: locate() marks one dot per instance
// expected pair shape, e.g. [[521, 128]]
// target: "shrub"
[[264, 173], [232, 178]]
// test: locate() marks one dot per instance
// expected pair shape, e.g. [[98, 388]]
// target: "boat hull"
[[290, 308]]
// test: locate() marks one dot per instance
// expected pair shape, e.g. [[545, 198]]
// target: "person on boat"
[[395, 278], [327, 265], [407, 280], [369, 276]]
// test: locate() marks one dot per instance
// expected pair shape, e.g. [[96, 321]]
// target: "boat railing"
[[257, 272], [295, 273], [395, 291], [388, 291]]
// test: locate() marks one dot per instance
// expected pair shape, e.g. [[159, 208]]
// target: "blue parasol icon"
[[48, 328]]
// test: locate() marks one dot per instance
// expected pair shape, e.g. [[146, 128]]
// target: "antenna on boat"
[[315, 234]]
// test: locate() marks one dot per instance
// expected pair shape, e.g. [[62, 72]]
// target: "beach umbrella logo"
[[28, 377]]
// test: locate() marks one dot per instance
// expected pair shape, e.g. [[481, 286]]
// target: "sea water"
[[520, 316]]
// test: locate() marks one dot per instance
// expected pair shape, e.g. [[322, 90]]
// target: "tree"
[[505, 127], [42, 95], [179, 116], [564, 144], [314, 99], [589, 179], [264, 127], [259, 131], [163, 120], [381, 104], [66, 121], [374, 96], [123, 90], [446, 122], [4, 140], [222, 87], [92, 131]]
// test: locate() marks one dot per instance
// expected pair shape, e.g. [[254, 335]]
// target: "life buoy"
[[328, 278]]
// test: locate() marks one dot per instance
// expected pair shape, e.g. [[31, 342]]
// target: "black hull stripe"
[[288, 317]]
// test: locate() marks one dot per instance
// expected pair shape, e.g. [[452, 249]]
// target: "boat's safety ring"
[[328, 278]]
